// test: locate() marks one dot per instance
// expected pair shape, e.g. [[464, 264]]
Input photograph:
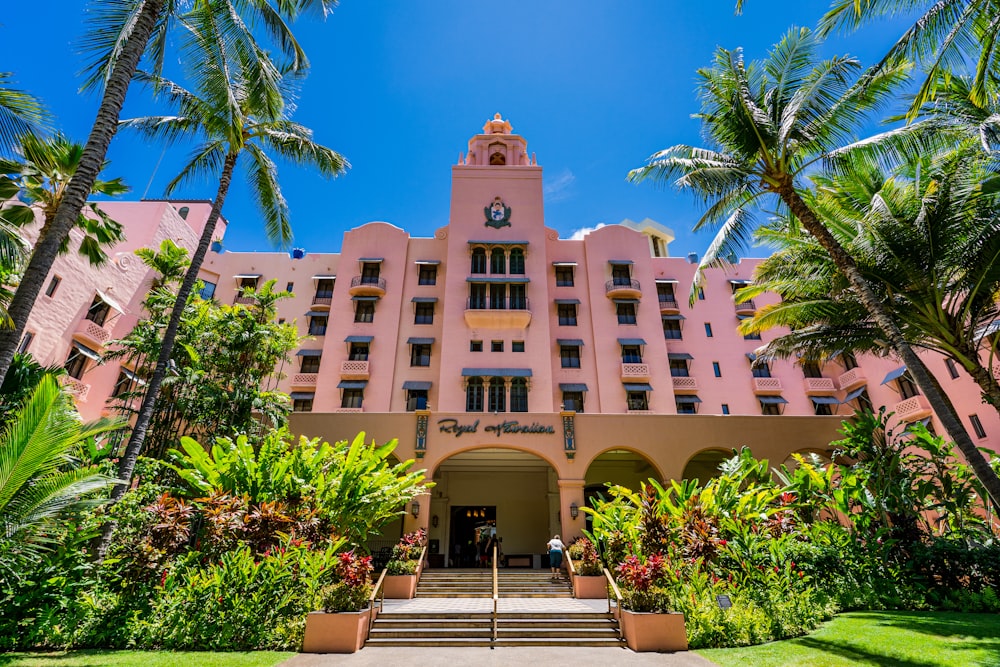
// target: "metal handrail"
[[496, 596], [376, 592], [613, 588], [569, 565]]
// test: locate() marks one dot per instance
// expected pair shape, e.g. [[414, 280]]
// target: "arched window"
[[474, 395], [517, 261], [518, 395], [498, 261], [478, 260], [497, 395], [183, 212]]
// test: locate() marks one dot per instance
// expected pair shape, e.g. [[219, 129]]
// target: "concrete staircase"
[[452, 582]]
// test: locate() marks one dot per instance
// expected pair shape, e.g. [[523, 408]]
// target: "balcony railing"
[[668, 304], [913, 408], [355, 370], [245, 300], [685, 384], [766, 385], [92, 332], [635, 371], [819, 386], [622, 287], [373, 282], [852, 379], [322, 300], [348, 409], [305, 379], [475, 303], [75, 387], [746, 307]]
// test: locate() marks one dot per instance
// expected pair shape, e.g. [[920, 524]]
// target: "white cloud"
[[559, 188], [578, 234]]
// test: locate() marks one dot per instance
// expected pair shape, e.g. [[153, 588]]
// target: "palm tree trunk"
[[938, 399], [982, 375], [145, 416], [81, 184]]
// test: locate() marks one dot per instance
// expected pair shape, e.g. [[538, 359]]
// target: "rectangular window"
[[289, 287], [770, 409], [716, 369], [475, 346], [518, 395], [477, 296], [364, 311], [416, 399], [686, 408], [352, 398], [848, 360], [708, 329], [123, 385], [496, 346], [518, 297], [98, 311], [626, 313], [474, 393], [679, 368], [370, 272], [752, 336], [822, 409], [25, 342], [865, 402], [207, 290], [564, 276], [424, 314], [324, 290], [428, 274], [761, 370], [621, 275], [725, 408], [517, 346], [310, 364], [76, 363], [302, 405], [496, 396], [631, 354], [358, 352], [498, 296], [665, 295], [701, 294], [420, 355], [811, 369], [569, 356], [906, 386], [53, 286], [281, 320], [567, 314], [672, 329], [952, 368], [317, 325], [977, 426], [636, 400], [573, 401]]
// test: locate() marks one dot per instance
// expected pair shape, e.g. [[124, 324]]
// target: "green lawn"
[[143, 659], [880, 639]]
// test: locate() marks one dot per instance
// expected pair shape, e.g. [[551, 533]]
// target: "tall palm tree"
[[241, 111], [772, 122], [20, 114], [121, 33], [946, 36]]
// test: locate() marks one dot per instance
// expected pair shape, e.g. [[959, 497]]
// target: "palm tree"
[[240, 111], [20, 114], [947, 35], [772, 123], [39, 477], [122, 32]]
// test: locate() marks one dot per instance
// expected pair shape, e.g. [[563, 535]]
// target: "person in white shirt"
[[555, 547]]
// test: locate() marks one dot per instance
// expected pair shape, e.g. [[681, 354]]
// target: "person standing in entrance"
[[555, 547]]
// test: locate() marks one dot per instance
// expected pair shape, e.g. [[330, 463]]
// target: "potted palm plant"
[[646, 617], [588, 574], [342, 625]]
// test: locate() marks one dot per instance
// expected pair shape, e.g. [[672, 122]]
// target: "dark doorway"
[[471, 529]]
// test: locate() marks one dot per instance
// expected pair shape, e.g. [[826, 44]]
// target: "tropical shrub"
[[586, 561], [353, 587]]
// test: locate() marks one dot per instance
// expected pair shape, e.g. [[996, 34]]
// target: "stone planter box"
[[399, 586], [588, 587], [654, 632], [342, 632]]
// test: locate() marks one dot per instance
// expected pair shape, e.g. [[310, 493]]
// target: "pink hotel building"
[[524, 371]]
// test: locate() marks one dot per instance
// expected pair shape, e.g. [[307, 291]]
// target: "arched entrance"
[[479, 492], [621, 467], [704, 465]]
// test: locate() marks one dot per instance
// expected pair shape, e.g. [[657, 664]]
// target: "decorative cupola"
[[497, 146]]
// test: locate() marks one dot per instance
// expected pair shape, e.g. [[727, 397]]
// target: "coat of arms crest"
[[497, 214]]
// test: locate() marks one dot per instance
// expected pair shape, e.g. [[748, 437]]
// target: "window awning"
[[428, 262], [419, 341], [498, 279], [892, 375], [318, 313], [752, 357], [771, 400], [570, 342], [620, 262], [636, 386], [571, 264], [359, 339], [635, 301], [364, 298], [414, 385], [824, 400], [679, 356], [572, 386], [744, 316], [498, 243], [86, 351], [631, 341], [371, 260], [309, 353], [738, 281], [302, 395], [424, 299], [567, 302], [684, 398], [241, 276], [322, 276], [131, 375], [111, 302], [854, 394], [500, 372], [352, 384], [667, 280], [672, 318], [988, 329]]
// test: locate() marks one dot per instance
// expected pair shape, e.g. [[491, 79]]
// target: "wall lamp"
[[574, 510], [415, 509]]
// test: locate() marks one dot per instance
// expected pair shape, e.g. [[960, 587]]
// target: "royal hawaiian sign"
[[506, 427]]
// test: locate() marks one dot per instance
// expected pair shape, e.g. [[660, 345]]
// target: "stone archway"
[[704, 465], [622, 467]]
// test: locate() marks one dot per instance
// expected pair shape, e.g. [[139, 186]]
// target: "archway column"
[[422, 520], [570, 493]]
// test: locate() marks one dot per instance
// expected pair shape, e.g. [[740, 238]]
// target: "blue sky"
[[399, 87]]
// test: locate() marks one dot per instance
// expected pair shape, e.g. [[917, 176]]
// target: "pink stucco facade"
[[639, 358]]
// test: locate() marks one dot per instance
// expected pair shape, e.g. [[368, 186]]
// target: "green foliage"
[[586, 560], [397, 567]]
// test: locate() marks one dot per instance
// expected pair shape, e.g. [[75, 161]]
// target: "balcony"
[[913, 408], [91, 333], [852, 379], [635, 371], [621, 288], [485, 313], [245, 300], [638, 411], [355, 370], [304, 379], [348, 409], [367, 286], [322, 301], [766, 385], [745, 308], [685, 385], [819, 386], [668, 305], [75, 387]]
